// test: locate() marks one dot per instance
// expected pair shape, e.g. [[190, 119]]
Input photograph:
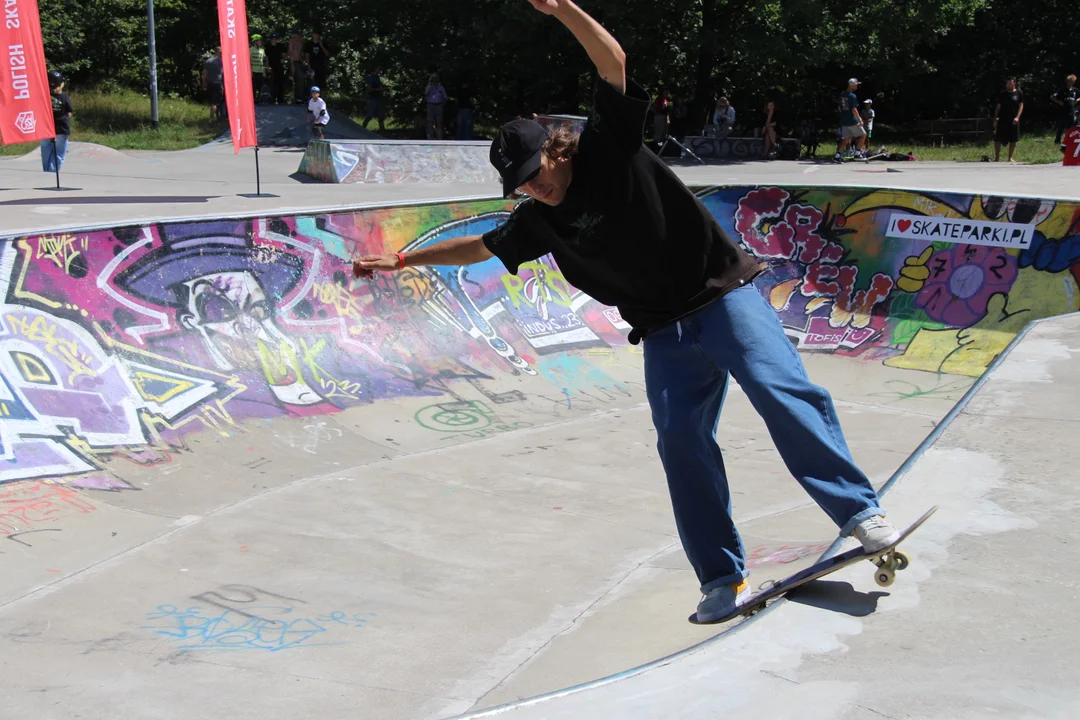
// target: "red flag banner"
[[25, 105], [236, 65]]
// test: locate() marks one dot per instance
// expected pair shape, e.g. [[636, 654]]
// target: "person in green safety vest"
[[258, 67]]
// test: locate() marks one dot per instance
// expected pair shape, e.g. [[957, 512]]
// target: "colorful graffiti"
[[383, 161], [844, 279], [115, 345]]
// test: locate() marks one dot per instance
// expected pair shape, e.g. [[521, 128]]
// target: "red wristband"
[[401, 261]]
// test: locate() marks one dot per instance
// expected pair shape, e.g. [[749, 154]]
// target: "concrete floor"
[[977, 627], [354, 566]]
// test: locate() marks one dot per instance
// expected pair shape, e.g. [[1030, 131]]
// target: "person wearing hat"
[[851, 125], [258, 67], [867, 115], [317, 114], [625, 230], [53, 150]]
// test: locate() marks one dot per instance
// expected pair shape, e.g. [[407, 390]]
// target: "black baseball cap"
[[515, 152]]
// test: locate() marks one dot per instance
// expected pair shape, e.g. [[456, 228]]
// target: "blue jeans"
[[50, 159], [687, 365]]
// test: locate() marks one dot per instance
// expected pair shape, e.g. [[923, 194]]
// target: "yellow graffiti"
[[542, 284], [61, 249], [345, 304], [66, 351], [329, 385], [915, 271], [175, 387], [20, 291]]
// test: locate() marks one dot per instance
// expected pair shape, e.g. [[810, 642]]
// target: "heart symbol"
[[903, 225]]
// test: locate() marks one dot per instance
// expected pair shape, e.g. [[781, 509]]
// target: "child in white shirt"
[[317, 114]]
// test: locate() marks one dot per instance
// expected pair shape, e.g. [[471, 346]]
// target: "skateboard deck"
[[888, 560]]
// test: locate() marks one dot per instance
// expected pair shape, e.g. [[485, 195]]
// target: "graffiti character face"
[[233, 315]]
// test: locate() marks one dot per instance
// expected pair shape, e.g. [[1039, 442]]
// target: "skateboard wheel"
[[901, 560], [885, 577]]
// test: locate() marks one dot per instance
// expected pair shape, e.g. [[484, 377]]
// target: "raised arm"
[[603, 49], [464, 250]]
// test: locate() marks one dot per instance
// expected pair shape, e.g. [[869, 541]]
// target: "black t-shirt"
[[1010, 105], [319, 56], [629, 232], [61, 106], [1071, 99], [274, 55]]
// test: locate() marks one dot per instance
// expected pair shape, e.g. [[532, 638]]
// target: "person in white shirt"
[[317, 114], [868, 117]]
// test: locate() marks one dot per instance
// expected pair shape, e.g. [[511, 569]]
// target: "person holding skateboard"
[[624, 229]]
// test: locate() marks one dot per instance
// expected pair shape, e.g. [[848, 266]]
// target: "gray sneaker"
[[876, 533], [720, 602]]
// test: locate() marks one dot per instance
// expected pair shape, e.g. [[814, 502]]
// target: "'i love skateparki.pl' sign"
[[959, 230]]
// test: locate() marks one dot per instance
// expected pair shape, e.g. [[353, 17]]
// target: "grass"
[[121, 120], [1036, 148]]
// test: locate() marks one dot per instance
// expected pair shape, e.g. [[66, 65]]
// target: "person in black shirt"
[[1068, 101], [318, 59], [1010, 106], [624, 229], [275, 62], [54, 150]]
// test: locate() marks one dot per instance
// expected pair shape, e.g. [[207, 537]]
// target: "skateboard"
[[888, 560]]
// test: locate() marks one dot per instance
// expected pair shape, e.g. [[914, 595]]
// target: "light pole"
[[153, 63]]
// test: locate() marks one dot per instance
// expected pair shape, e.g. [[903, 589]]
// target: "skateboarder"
[[624, 229]]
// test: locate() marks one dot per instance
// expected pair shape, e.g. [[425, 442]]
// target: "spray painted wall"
[[118, 343]]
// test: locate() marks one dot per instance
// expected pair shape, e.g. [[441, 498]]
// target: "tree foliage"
[[917, 58]]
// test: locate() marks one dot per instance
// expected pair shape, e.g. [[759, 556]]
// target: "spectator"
[[1009, 108], [54, 150], [661, 108], [435, 96], [298, 66], [465, 114], [374, 105], [868, 116], [258, 67], [1067, 100], [316, 113], [723, 118], [213, 84], [768, 130], [680, 111], [275, 58], [851, 125], [317, 56]]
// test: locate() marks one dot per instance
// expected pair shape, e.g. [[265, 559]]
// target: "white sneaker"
[[876, 533]]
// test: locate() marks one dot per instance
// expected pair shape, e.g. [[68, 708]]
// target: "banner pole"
[[258, 181], [56, 162]]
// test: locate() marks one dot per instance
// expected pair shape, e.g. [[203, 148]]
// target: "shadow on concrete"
[[838, 597], [109, 199], [305, 179]]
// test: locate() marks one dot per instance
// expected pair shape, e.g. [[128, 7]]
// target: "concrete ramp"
[[230, 467], [287, 126], [398, 161]]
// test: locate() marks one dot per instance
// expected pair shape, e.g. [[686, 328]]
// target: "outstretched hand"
[[366, 266], [545, 6]]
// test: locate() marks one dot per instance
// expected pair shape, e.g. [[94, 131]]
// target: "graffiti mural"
[[117, 344], [844, 278]]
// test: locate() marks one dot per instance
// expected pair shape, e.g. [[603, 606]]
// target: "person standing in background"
[[275, 59], [465, 114], [317, 56], [435, 96], [374, 107], [768, 130], [258, 67], [1067, 100], [53, 150], [851, 125], [661, 110], [1007, 112], [213, 84], [298, 66], [868, 116]]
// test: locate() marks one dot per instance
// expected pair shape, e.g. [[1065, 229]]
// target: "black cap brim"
[[521, 175]]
